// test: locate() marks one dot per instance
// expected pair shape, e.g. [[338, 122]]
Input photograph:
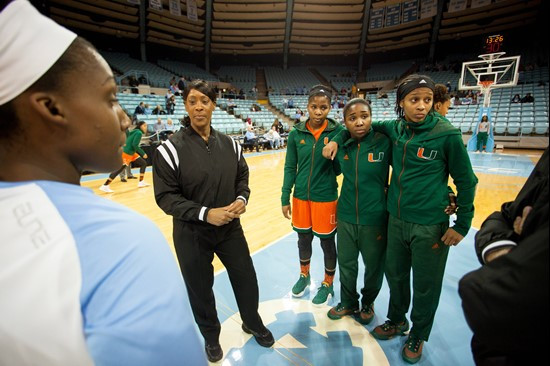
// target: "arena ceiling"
[[301, 27]]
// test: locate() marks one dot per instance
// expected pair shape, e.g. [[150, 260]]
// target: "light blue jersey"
[[84, 281]]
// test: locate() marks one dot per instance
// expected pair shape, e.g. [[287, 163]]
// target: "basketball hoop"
[[486, 84]]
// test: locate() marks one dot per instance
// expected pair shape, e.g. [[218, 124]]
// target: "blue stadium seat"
[[513, 128], [527, 128]]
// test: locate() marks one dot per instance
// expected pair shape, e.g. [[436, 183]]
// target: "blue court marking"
[[277, 268], [501, 164]]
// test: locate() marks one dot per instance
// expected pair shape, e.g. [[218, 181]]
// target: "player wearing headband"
[[83, 280], [426, 150], [313, 210]]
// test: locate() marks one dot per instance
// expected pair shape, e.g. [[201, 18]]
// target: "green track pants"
[[418, 247], [370, 242]]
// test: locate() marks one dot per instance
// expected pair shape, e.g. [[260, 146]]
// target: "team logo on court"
[[420, 154], [302, 335], [377, 160]]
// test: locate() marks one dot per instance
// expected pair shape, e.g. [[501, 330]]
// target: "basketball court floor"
[[304, 334]]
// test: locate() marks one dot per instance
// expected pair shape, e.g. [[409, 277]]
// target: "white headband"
[[30, 44]]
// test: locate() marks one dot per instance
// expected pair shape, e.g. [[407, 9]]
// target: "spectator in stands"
[[142, 79], [174, 89], [361, 212], [250, 135], [415, 239], [171, 104], [83, 280], [474, 98], [467, 99], [341, 102], [158, 110], [483, 134], [275, 141], [206, 209], [528, 98], [449, 87], [170, 125], [255, 108], [290, 102], [279, 125], [313, 209], [147, 110], [132, 81], [285, 102], [457, 100], [338, 117], [181, 83], [512, 246], [159, 125], [140, 109], [385, 103], [131, 153], [335, 102], [516, 98]]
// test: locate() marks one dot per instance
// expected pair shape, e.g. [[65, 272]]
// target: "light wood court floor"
[[264, 223]]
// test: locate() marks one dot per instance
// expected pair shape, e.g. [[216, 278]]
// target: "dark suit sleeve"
[[497, 296]]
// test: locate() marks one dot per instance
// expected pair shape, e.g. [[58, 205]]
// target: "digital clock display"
[[494, 43]]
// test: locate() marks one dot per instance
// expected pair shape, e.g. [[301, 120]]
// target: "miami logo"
[[378, 160], [420, 154], [346, 157]]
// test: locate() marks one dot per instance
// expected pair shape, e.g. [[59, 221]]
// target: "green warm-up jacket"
[[312, 176], [132, 143], [365, 166]]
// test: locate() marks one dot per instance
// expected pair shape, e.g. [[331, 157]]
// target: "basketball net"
[[486, 91]]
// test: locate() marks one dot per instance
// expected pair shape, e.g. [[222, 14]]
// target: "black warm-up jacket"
[[191, 176]]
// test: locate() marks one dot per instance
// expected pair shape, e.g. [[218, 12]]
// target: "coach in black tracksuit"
[[201, 179]]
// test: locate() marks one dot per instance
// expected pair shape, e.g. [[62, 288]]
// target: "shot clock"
[[493, 43]]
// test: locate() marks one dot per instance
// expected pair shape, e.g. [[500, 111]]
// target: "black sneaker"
[[123, 180], [132, 177], [214, 352], [264, 339]]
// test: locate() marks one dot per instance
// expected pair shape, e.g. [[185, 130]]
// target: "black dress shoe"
[[264, 339], [214, 352]]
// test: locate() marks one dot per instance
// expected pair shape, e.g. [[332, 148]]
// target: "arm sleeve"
[[496, 232], [465, 181], [291, 166], [241, 185], [517, 281], [168, 194], [341, 137]]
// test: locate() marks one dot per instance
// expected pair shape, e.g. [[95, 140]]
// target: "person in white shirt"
[[83, 280]]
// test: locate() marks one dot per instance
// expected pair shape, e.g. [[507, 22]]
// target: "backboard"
[[491, 72], [502, 71]]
